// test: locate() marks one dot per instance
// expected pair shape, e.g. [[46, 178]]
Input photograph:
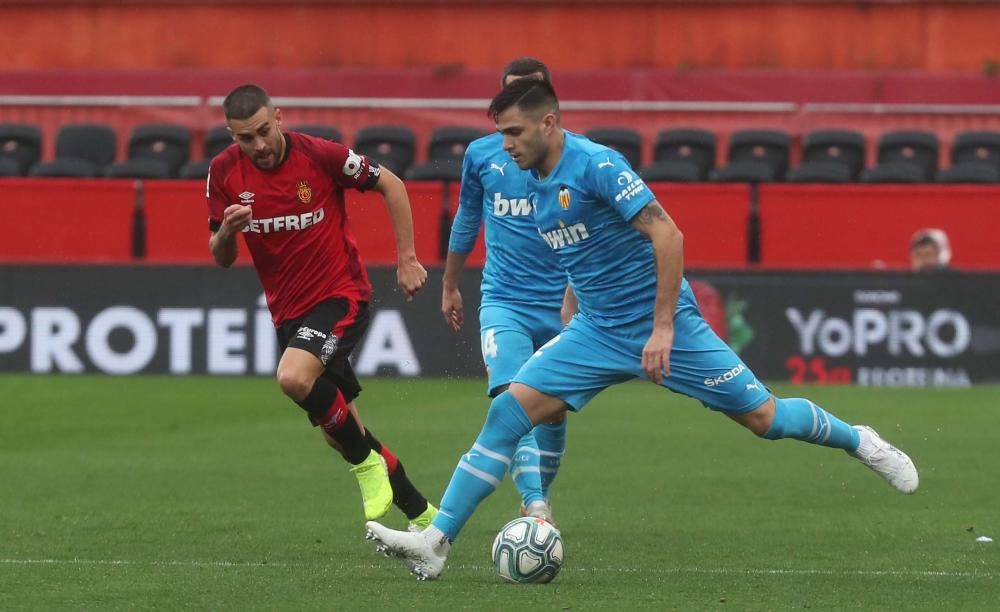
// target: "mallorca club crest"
[[564, 197], [303, 192]]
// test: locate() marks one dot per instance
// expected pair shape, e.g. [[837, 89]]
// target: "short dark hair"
[[244, 101], [526, 94], [525, 66]]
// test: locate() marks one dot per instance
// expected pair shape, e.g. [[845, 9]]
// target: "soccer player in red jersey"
[[284, 191]]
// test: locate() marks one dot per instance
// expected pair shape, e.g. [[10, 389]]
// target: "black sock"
[[327, 409], [406, 496]]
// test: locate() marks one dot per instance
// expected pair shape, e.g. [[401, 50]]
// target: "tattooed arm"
[[668, 247]]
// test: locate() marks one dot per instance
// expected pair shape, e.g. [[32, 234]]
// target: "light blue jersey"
[[520, 268], [583, 210]]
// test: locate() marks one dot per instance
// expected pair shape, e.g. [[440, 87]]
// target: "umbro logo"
[[246, 197], [499, 168], [607, 163]]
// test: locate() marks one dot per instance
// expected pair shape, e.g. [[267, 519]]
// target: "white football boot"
[[539, 509], [886, 460], [424, 553]]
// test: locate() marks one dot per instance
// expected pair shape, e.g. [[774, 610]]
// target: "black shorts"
[[330, 331]]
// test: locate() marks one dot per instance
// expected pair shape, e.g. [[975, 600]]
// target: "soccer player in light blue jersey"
[[523, 288], [637, 317]]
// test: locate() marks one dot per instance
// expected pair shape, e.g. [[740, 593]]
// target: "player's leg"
[[562, 373], [704, 367], [512, 414], [506, 343], [315, 347], [550, 436]]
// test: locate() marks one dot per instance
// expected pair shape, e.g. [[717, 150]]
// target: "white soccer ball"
[[528, 550]]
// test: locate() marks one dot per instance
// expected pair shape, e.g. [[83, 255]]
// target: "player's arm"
[[464, 231], [410, 275], [224, 222], [668, 247]]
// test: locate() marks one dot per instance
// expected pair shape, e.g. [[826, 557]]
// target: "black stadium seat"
[[85, 144], [986, 173], [755, 156], [821, 171], [141, 168], [166, 143], [688, 146], [21, 143], [9, 167], [626, 141], [671, 170], [217, 140], [983, 147], [392, 146], [69, 168], [895, 171], [918, 149], [326, 132], [829, 148], [445, 152]]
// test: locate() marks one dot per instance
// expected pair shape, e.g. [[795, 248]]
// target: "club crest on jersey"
[[564, 197], [303, 192]]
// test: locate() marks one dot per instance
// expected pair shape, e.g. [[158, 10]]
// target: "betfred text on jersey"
[[286, 223], [515, 207]]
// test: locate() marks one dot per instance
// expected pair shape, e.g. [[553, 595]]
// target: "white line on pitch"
[[620, 570]]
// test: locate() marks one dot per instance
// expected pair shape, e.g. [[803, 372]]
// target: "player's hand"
[[235, 218], [451, 308], [656, 354], [410, 277]]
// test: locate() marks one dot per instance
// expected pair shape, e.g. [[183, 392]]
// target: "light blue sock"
[[480, 471], [551, 441], [803, 420], [525, 470]]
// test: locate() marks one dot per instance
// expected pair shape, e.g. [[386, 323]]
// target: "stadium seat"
[[9, 167], [68, 168], [195, 169], [626, 141], [444, 154], [22, 144], [671, 170], [919, 149], [437, 170], [88, 143], [392, 146], [981, 172], [971, 147], [821, 171], [327, 132], [745, 171], [449, 143], [168, 143], [217, 140], [750, 151], [690, 146], [140, 168], [844, 147], [895, 171]]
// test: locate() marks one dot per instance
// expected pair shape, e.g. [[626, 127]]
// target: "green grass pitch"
[[215, 494]]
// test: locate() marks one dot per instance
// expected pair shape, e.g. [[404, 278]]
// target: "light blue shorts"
[[584, 359], [509, 334]]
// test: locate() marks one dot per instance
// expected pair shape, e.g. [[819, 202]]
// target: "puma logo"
[[606, 163], [498, 168]]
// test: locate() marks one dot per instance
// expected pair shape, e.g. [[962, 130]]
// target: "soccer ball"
[[528, 550]]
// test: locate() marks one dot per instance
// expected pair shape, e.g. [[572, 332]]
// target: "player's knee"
[[294, 384], [759, 420]]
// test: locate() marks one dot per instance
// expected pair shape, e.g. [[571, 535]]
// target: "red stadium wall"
[[840, 34], [802, 226]]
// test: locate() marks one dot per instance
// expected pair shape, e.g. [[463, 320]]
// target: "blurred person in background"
[[930, 250]]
